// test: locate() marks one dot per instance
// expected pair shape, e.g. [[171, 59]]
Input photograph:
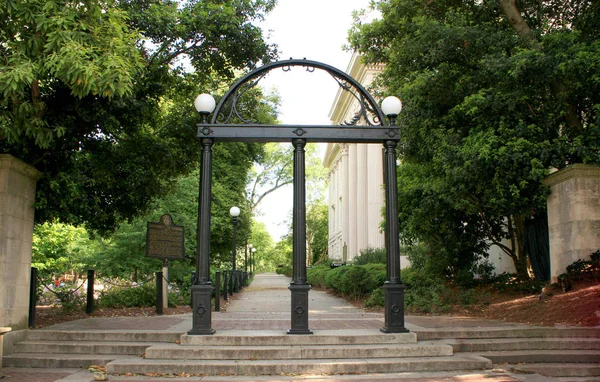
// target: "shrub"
[[286, 270], [371, 256], [355, 282], [316, 275], [424, 291], [377, 274], [71, 299], [128, 296], [376, 298], [333, 278]]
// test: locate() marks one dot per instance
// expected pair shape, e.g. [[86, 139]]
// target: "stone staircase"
[[276, 353], [79, 349], [551, 352]]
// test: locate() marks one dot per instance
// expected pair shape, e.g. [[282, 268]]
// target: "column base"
[[299, 309], [394, 308], [201, 309]]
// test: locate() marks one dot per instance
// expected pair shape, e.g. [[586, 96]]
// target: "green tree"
[[495, 93], [58, 249], [118, 149], [87, 47], [317, 232]]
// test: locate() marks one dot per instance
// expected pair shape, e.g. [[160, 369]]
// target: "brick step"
[[320, 337], [283, 367], [542, 356], [497, 344], [58, 360], [103, 335], [170, 352], [71, 347], [559, 369], [507, 332]]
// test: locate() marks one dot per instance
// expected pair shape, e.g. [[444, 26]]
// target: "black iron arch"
[[220, 128], [228, 106]]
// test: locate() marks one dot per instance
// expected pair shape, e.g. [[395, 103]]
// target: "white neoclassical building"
[[356, 194]]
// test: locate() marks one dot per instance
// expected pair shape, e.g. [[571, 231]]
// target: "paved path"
[[265, 305]]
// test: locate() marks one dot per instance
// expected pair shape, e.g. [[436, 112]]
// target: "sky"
[[316, 30]]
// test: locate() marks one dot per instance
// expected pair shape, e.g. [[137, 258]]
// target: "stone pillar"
[[573, 215], [352, 185], [17, 197]]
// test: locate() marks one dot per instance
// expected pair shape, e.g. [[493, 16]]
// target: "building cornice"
[[577, 170]]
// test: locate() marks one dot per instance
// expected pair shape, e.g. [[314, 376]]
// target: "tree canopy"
[[495, 93], [98, 95]]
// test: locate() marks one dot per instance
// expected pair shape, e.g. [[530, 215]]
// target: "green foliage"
[[376, 299], [128, 296], [96, 97], [59, 248], [377, 273], [489, 106], [286, 270], [89, 50], [315, 276], [424, 291], [371, 255], [353, 281], [71, 298], [317, 231]]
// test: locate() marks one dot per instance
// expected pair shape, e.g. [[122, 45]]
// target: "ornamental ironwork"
[[232, 109]]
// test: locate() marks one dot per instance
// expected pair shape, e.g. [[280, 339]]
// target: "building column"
[[573, 216], [352, 198], [17, 198], [345, 192]]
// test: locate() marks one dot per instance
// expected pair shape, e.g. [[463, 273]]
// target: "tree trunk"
[[520, 260]]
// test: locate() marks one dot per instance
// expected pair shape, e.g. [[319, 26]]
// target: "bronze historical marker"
[[164, 239]]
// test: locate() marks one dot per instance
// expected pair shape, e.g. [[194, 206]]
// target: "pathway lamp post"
[[252, 259], [393, 287], [202, 288], [248, 248], [234, 212]]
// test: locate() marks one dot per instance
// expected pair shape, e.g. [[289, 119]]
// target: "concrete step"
[[72, 347], [498, 344], [295, 366], [57, 360], [103, 335], [320, 337], [284, 352], [542, 356], [559, 369], [507, 332]]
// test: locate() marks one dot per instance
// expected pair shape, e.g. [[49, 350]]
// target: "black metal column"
[[236, 286], [298, 286], [89, 306], [159, 293], [202, 288], [32, 296], [393, 288], [217, 291]]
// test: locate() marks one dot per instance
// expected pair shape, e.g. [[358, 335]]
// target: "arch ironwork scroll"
[[230, 107]]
